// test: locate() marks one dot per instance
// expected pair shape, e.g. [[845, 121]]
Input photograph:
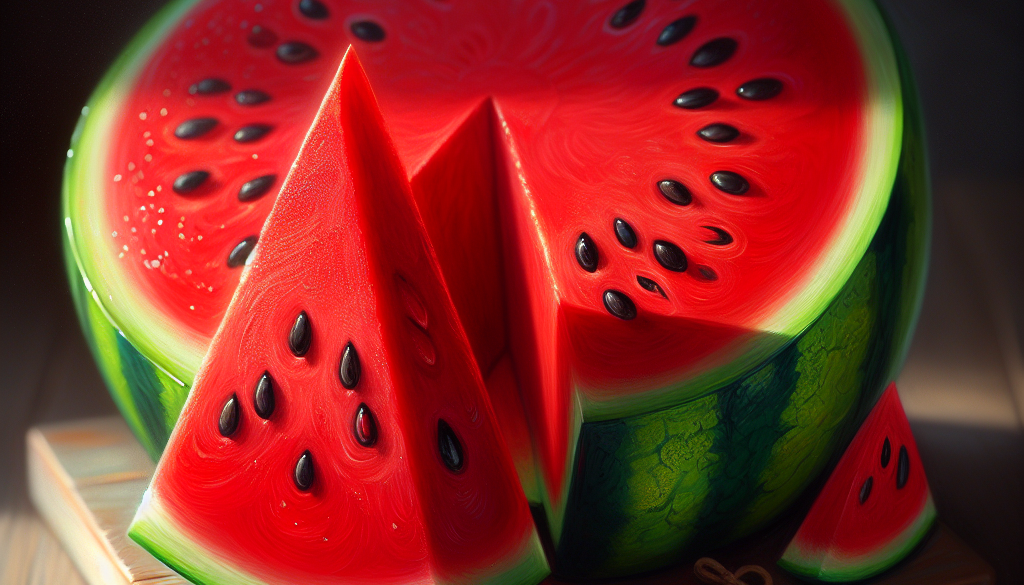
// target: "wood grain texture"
[[87, 477]]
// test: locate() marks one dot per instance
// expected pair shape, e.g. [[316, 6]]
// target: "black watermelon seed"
[[886, 453], [729, 182], [675, 192], [707, 273], [627, 15], [228, 421], [676, 30], [190, 181], [865, 489], [295, 52], [586, 252], [714, 52], [902, 468], [256, 188], [697, 97], [619, 305], [252, 132], [240, 253], [718, 133], [209, 86], [301, 335], [304, 471], [723, 239], [650, 285], [670, 256], [367, 30], [261, 37], [350, 369], [251, 97], [313, 9], [449, 447], [364, 426], [624, 233], [760, 89], [194, 128], [263, 396]]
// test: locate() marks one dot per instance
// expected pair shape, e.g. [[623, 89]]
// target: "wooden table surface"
[[962, 386]]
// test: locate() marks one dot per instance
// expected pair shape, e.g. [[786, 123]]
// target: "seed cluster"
[[300, 340], [264, 399], [669, 255], [902, 469], [291, 53]]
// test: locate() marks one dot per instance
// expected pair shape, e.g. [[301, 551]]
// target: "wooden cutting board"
[[87, 477]]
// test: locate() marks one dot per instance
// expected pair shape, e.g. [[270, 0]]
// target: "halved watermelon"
[[339, 430], [874, 509], [686, 243]]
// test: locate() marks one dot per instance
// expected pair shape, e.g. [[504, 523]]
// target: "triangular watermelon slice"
[[338, 430], [874, 509]]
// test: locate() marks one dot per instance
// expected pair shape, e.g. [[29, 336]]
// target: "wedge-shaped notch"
[[428, 507]]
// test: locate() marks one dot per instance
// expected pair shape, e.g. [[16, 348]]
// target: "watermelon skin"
[[647, 489], [148, 397], [633, 505], [846, 537]]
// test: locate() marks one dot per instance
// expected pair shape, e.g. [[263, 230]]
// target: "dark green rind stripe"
[[640, 498], [649, 488], [144, 382], [149, 399], [913, 183]]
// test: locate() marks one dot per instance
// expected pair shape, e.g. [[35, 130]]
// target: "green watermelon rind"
[[156, 530], [132, 379], [835, 566], [149, 395]]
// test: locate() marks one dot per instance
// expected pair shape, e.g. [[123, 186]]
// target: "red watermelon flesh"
[[874, 509], [339, 430], [578, 107]]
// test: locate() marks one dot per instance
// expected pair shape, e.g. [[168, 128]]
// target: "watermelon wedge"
[[339, 430], [874, 509], [685, 243]]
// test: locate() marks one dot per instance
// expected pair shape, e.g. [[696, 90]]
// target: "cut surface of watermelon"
[[634, 218], [339, 430], [874, 509]]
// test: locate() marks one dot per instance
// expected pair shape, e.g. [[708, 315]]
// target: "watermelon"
[[874, 509], [686, 244], [339, 430]]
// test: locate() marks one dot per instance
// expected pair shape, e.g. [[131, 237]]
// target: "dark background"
[[968, 61]]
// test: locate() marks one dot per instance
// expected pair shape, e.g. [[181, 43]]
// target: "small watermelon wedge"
[[339, 430], [875, 507]]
